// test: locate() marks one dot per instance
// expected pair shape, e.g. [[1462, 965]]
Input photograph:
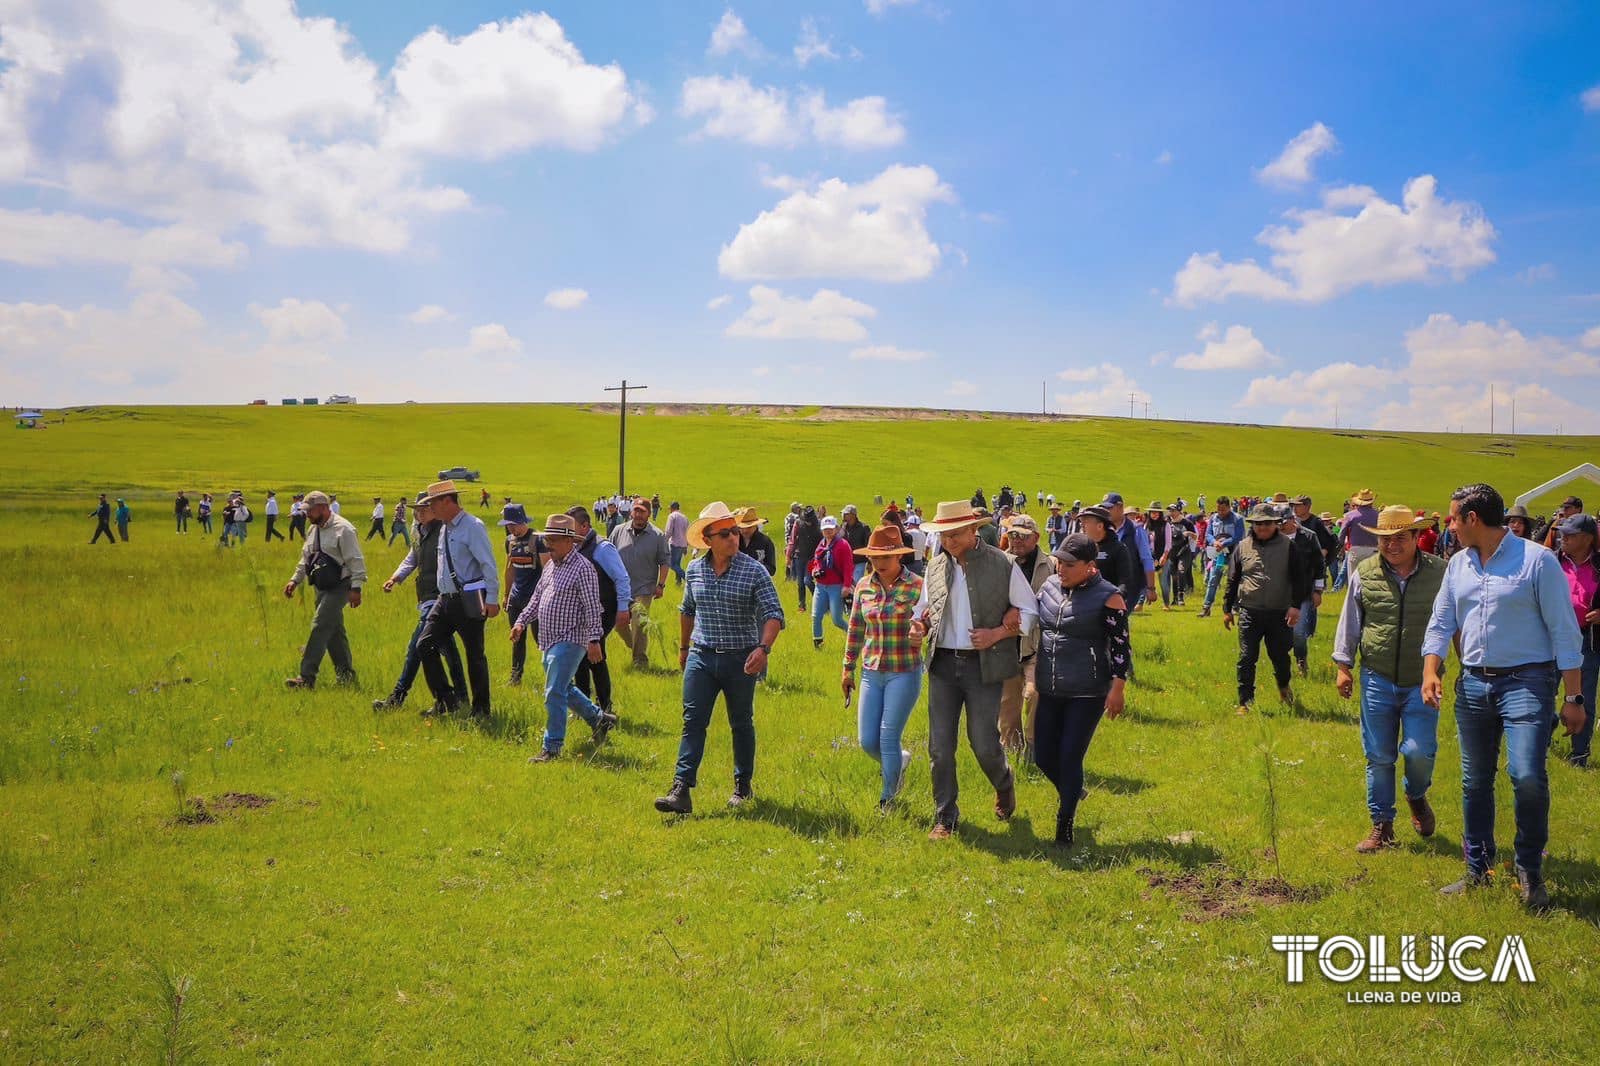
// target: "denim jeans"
[[860, 572], [705, 674], [1580, 742], [675, 562], [825, 600], [887, 699], [1213, 583], [561, 695], [399, 530], [1341, 575], [1305, 629], [1519, 707], [452, 661], [1394, 723], [1171, 577]]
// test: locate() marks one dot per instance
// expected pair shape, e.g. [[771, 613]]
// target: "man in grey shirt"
[[645, 553], [469, 591]]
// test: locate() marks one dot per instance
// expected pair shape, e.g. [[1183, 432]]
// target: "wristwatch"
[[766, 648], [1577, 699]]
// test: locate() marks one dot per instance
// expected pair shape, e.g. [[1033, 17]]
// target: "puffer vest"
[[988, 578], [1395, 620], [1074, 653]]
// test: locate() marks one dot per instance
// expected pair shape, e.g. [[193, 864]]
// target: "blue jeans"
[[1213, 583], [1341, 575], [860, 571], [399, 530], [705, 674], [1590, 672], [887, 699], [675, 562], [1394, 723], [1519, 707], [561, 695], [1305, 629], [826, 599], [413, 663]]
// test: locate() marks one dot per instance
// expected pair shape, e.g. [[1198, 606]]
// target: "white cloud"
[[295, 321], [876, 230], [491, 342], [827, 316], [220, 117], [1538, 272], [717, 303], [1165, 158], [1591, 99], [1235, 349], [1317, 395], [961, 388], [881, 7], [1591, 338], [812, 45], [429, 313], [888, 353], [1293, 165], [1325, 252], [40, 239], [566, 299], [729, 35], [760, 371], [1105, 392], [770, 117]]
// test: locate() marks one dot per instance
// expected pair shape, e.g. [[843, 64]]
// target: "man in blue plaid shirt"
[[728, 622]]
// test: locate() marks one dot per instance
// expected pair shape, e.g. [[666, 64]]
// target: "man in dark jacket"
[[1268, 579], [1310, 553], [102, 521], [754, 542], [423, 560], [802, 547]]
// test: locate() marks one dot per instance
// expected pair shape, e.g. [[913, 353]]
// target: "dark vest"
[[988, 578], [522, 553], [1264, 574], [608, 588], [1074, 653], [427, 549], [1394, 620]]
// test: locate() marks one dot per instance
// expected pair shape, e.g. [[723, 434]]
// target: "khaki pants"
[[1018, 691], [638, 639]]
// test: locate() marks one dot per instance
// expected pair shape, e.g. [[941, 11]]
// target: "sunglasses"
[[733, 532]]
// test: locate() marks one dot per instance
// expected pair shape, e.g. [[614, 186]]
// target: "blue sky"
[[1343, 212]]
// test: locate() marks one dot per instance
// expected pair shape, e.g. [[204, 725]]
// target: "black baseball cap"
[[1077, 546]]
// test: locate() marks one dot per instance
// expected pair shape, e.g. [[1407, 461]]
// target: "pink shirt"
[[1583, 581]]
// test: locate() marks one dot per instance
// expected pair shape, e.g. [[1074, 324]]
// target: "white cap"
[[830, 522]]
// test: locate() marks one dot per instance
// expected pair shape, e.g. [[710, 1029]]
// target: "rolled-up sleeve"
[[768, 606], [1442, 623], [1347, 638], [1023, 599], [1555, 605]]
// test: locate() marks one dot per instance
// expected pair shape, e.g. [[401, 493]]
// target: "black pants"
[[1254, 627], [1062, 729], [597, 673], [519, 647], [272, 527], [103, 529], [297, 526], [449, 616], [376, 530]]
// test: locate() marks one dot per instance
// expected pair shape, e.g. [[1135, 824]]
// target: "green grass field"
[[416, 891]]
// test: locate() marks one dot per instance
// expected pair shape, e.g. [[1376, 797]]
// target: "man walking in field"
[[616, 594], [180, 511], [271, 511], [422, 558], [677, 539], [1019, 694], [469, 588], [645, 555], [102, 521], [1267, 581], [376, 529], [331, 561]]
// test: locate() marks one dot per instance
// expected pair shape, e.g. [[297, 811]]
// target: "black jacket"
[[759, 547]]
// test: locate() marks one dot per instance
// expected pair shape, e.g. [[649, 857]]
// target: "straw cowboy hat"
[[885, 540], [714, 512], [955, 514], [440, 488], [560, 525], [748, 519], [1363, 498], [1396, 518]]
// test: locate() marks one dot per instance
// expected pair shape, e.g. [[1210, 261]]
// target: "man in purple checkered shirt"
[[565, 613]]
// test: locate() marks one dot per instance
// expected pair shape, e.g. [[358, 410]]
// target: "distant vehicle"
[[309, 401], [458, 473], [340, 397], [258, 403], [289, 401]]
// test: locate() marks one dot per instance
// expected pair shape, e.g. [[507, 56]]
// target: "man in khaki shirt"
[[334, 542]]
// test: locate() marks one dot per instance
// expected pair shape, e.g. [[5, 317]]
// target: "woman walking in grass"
[[1083, 662], [205, 512], [879, 638]]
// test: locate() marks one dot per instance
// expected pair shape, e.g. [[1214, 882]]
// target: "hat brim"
[[1363, 501], [962, 523], [697, 530], [874, 553], [548, 532], [1418, 524]]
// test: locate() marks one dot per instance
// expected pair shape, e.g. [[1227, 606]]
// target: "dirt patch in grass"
[[197, 812], [1213, 892], [229, 801]]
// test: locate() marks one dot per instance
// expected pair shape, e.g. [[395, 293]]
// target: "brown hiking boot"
[[1244, 709], [1005, 802], [941, 831], [1422, 819], [1382, 836]]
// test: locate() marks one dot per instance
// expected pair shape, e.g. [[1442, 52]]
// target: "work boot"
[[389, 702], [1205, 612], [545, 755], [1005, 802], [298, 683], [741, 792], [1286, 694], [1422, 819], [677, 800], [1303, 667], [603, 727], [1244, 709], [1534, 895], [816, 642], [1382, 836], [1063, 829], [1468, 882], [942, 831]]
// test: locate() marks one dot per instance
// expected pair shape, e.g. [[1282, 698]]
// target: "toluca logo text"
[[1343, 959]]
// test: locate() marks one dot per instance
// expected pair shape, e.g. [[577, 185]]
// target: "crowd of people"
[[1022, 630]]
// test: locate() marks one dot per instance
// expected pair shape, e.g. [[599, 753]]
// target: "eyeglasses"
[[731, 532]]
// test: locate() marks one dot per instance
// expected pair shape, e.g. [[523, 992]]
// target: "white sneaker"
[[900, 782]]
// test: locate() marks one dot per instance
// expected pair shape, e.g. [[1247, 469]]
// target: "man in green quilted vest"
[[974, 608], [1385, 615]]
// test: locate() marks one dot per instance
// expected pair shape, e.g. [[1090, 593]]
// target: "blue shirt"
[[466, 557], [1140, 540], [1232, 527], [609, 560], [1515, 609], [730, 610]]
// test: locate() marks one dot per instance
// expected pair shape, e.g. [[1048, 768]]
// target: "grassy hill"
[[405, 889]]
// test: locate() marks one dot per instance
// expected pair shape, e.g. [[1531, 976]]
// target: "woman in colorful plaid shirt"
[[879, 637]]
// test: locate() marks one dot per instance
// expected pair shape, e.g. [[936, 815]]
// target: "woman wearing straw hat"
[[891, 660]]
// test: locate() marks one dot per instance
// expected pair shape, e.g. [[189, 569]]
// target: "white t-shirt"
[[334, 506], [272, 507], [377, 510]]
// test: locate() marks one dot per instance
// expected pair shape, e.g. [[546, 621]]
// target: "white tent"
[[1587, 470]]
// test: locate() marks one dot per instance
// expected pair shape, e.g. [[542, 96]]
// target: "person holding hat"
[[1266, 584], [422, 559], [525, 558], [880, 640], [565, 613], [756, 544], [1019, 695], [832, 568], [729, 619], [399, 527], [331, 560], [1582, 567], [376, 529], [1362, 516], [469, 585], [975, 607], [645, 554], [1081, 668], [1384, 619], [1506, 606]]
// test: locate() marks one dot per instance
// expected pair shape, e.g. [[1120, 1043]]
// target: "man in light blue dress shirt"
[[469, 594], [1506, 604]]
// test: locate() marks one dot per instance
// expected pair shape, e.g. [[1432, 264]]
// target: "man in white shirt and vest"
[[975, 605]]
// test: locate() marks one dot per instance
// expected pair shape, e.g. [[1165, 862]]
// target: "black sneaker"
[[1467, 883], [741, 792], [677, 799], [1063, 829], [516, 678], [1531, 884], [816, 642], [389, 702], [603, 727]]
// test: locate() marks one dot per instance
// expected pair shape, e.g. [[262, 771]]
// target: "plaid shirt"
[[729, 610], [566, 603], [880, 625]]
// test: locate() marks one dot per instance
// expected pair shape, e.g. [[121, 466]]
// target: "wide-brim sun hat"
[[1363, 498], [884, 541], [441, 488], [955, 514], [713, 512], [1396, 518], [748, 518], [560, 525], [1099, 513], [1264, 512], [514, 514]]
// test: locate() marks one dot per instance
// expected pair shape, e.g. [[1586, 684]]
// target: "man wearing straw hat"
[[1362, 516], [565, 613], [974, 608], [1266, 584], [755, 543], [1385, 617], [331, 561], [729, 620], [469, 595]]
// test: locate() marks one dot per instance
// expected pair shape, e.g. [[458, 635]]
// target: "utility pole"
[[1132, 397], [1147, 408], [1491, 409], [622, 439], [1043, 407], [1513, 414]]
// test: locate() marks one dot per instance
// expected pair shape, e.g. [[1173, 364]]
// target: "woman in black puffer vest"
[[1083, 662]]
